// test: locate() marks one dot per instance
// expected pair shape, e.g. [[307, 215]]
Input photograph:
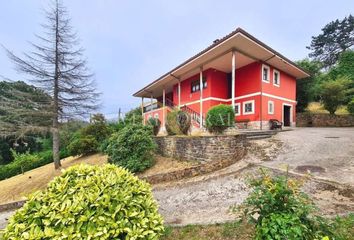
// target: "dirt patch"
[[165, 165], [265, 149]]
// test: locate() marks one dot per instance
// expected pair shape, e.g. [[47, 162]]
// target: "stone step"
[[255, 137]]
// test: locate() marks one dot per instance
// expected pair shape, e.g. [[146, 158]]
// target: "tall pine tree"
[[57, 66]]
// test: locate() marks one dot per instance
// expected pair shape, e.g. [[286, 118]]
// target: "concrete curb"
[[12, 205]]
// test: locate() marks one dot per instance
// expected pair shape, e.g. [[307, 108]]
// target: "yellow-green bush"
[[178, 122], [89, 202]]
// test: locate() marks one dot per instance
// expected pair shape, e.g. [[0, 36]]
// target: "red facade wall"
[[248, 81]]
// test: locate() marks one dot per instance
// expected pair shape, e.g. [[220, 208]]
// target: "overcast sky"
[[131, 43]]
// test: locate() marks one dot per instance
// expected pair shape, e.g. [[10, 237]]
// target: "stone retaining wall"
[[202, 148], [324, 120]]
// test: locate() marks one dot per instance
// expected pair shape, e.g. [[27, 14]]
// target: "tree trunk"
[[56, 144], [56, 139]]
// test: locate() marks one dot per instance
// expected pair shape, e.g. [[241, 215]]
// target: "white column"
[[151, 102], [179, 94], [163, 106], [142, 109], [201, 97], [233, 73]]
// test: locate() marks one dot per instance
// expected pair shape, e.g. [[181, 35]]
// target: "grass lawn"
[[343, 227], [17, 187], [227, 231]]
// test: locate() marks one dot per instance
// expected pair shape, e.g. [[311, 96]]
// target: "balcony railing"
[[157, 105]]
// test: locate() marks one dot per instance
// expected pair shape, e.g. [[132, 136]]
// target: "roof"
[[299, 73]]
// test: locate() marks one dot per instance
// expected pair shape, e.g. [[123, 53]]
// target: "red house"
[[239, 70]]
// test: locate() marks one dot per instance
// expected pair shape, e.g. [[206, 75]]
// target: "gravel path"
[[328, 152]]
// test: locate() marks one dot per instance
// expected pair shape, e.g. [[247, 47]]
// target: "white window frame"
[[239, 109], [271, 103], [268, 74], [156, 115], [276, 71], [244, 107]]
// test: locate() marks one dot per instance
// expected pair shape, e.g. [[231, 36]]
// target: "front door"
[[287, 115]]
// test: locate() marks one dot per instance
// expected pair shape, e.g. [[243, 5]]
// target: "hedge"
[[219, 118], [26, 162], [89, 202]]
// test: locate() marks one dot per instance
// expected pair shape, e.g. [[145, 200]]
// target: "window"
[[156, 115], [270, 107], [276, 78], [237, 109], [265, 73], [195, 85], [248, 107]]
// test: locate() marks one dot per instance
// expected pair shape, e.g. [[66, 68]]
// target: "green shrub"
[[333, 93], [89, 202], [132, 147], [350, 107], [178, 122], [155, 124], [281, 211], [219, 118], [25, 162], [82, 146]]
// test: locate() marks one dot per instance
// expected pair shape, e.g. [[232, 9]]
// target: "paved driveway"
[[326, 152]]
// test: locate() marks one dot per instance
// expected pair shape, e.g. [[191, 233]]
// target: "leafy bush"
[[178, 122], [89, 202], [219, 118], [155, 124], [333, 94], [350, 107], [132, 147], [26, 161], [82, 146], [87, 139], [281, 211]]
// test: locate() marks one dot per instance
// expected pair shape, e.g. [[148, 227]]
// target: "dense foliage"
[[89, 202], [178, 122], [336, 37], [333, 94], [155, 124], [219, 118], [22, 108], [305, 88], [132, 147], [27, 161], [281, 211], [350, 107], [134, 116], [89, 138]]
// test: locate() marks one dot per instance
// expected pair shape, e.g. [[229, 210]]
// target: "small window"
[[156, 115], [276, 78], [237, 109], [195, 85], [248, 107], [270, 107], [265, 73]]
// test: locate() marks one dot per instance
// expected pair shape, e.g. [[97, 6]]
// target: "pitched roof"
[[220, 42]]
